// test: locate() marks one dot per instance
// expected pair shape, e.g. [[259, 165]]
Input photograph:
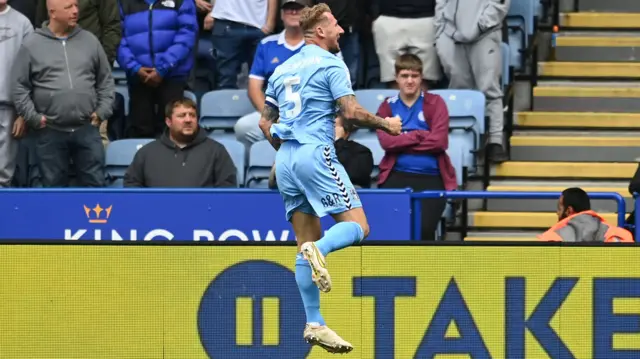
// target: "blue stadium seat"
[[237, 152], [221, 109], [376, 150], [520, 19], [262, 156], [222, 136], [119, 155], [466, 115], [119, 75], [370, 100], [124, 91], [456, 154], [190, 95]]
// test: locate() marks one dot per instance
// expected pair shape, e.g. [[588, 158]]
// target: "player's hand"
[[19, 128], [394, 125]]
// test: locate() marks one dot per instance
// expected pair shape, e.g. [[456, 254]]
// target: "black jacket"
[[27, 8], [357, 161], [202, 163], [634, 187]]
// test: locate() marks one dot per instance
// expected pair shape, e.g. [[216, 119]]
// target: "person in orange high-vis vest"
[[578, 223]]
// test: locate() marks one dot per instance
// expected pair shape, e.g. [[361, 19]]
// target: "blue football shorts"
[[312, 180]]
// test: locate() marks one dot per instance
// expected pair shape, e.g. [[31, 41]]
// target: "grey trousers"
[[477, 66], [8, 146]]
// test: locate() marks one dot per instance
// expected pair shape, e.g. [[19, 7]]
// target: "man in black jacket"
[[183, 157]]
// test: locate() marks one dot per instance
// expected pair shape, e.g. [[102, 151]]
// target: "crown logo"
[[95, 214]]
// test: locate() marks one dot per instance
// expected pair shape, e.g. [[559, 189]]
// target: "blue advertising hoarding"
[[176, 215]]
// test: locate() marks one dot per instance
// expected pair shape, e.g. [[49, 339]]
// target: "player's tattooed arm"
[[351, 110], [270, 116]]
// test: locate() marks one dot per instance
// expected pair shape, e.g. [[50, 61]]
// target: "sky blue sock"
[[341, 235], [308, 291]]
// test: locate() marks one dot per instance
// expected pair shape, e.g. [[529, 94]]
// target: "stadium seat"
[[456, 154], [119, 155], [237, 152], [466, 115], [190, 95], [221, 109], [222, 136], [261, 159], [520, 19], [124, 91], [376, 150], [119, 75], [370, 100]]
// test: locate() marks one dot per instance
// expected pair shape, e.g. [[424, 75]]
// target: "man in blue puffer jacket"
[[156, 51]]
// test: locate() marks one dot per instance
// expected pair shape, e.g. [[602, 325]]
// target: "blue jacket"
[[159, 34]]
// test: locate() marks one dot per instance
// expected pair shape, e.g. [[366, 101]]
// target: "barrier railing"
[[417, 207]]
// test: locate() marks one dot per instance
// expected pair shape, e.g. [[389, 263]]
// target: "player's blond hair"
[[310, 17]]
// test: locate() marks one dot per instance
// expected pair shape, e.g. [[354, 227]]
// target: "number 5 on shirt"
[[293, 97]]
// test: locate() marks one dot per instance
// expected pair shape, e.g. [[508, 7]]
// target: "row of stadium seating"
[[261, 158], [219, 110]]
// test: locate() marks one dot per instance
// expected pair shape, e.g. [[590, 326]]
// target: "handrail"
[[416, 207]]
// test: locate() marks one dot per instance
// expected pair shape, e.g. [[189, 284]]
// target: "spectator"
[[157, 56], [14, 28], [468, 42], [272, 51], [417, 158], [578, 223], [183, 157], [405, 26], [356, 158], [27, 8], [63, 90], [634, 187], [101, 18], [237, 27], [349, 14]]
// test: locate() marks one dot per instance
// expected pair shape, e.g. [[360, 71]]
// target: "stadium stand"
[[237, 152], [579, 130], [119, 155], [261, 158], [221, 109]]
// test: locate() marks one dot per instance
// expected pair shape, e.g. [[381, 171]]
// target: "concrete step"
[[572, 120], [521, 220], [546, 205], [598, 48], [617, 6], [609, 20], [575, 148], [564, 170], [587, 99], [589, 69]]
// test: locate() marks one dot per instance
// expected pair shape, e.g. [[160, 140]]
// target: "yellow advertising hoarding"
[[228, 302]]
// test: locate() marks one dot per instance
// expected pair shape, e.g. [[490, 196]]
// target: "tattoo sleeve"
[[269, 116], [351, 110]]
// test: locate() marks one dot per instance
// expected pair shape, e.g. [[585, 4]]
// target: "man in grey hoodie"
[[64, 89], [468, 40], [14, 28]]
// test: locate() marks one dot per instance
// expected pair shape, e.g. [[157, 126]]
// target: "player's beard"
[[335, 49]]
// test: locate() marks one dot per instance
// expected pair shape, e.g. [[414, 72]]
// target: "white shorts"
[[394, 36]]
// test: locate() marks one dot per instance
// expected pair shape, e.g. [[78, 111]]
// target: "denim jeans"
[[350, 48], [84, 146], [233, 44]]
